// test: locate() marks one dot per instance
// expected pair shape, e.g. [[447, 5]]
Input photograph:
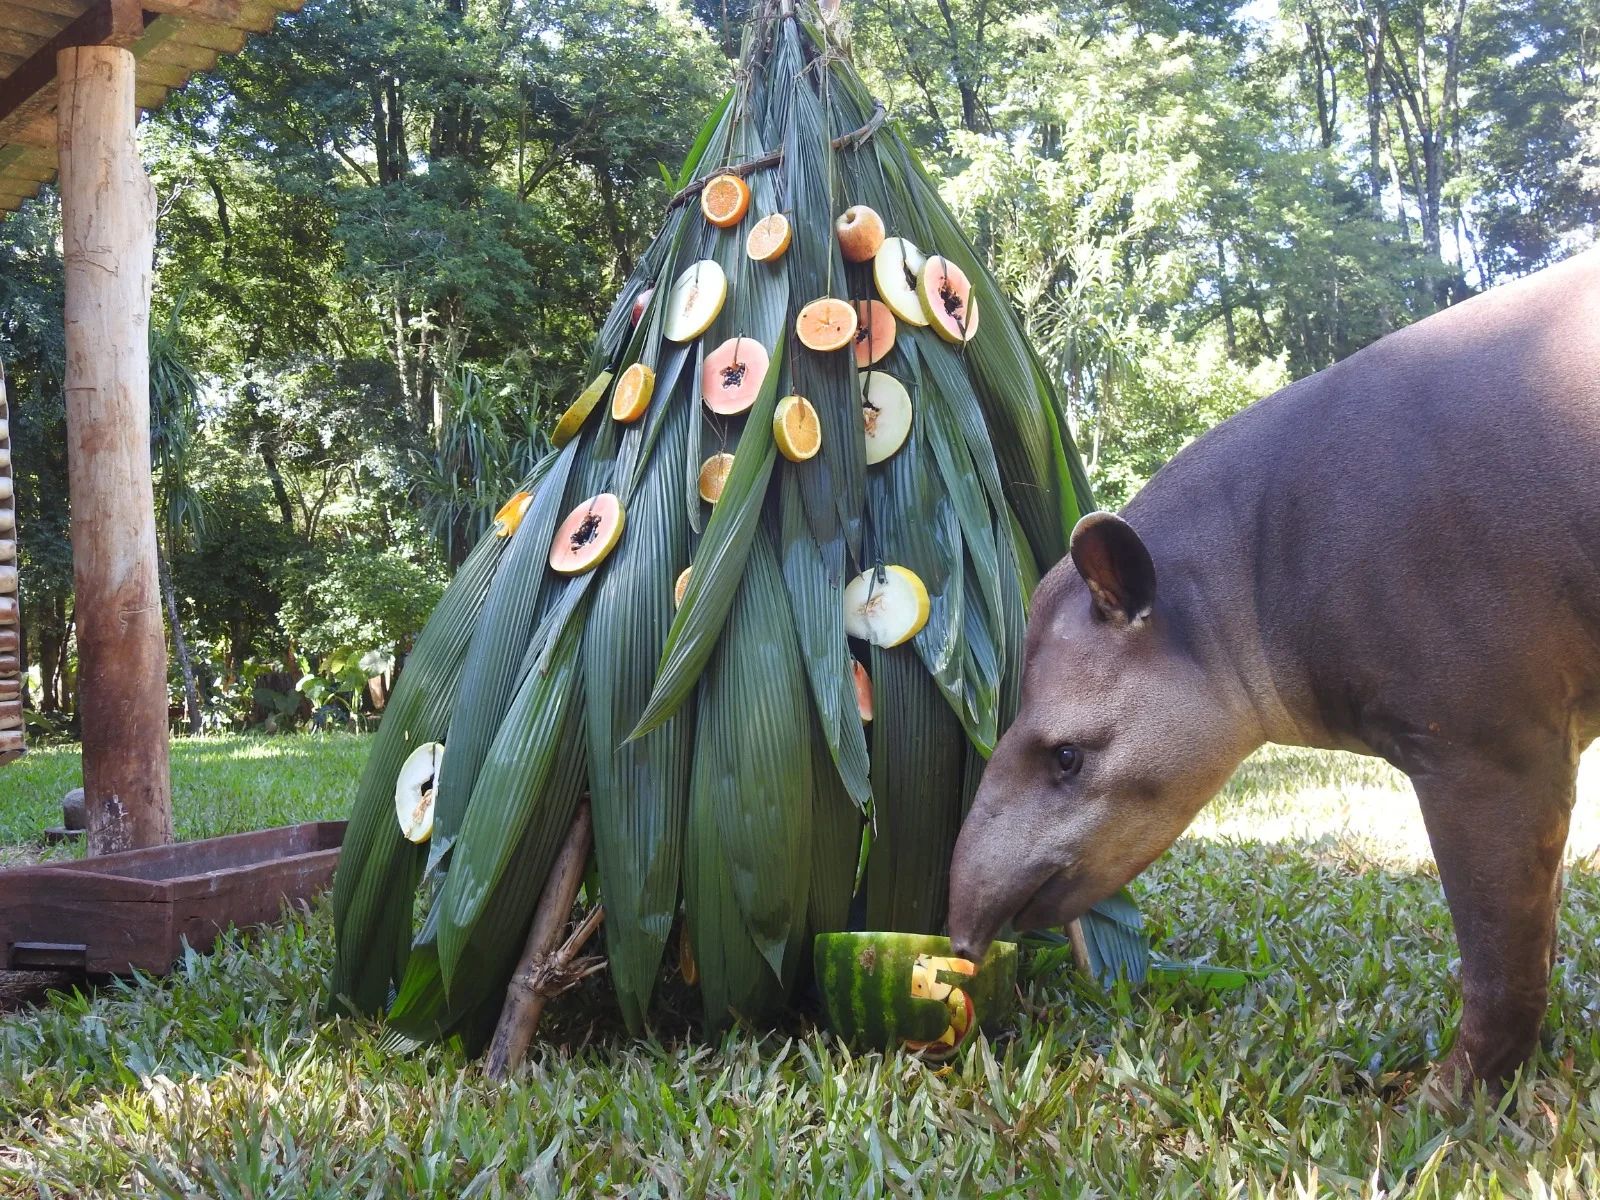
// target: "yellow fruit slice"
[[796, 429], [724, 200], [885, 606], [680, 586], [578, 411], [894, 269], [714, 476], [590, 532], [769, 239], [413, 791], [511, 514], [633, 393], [826, 324], [694, 302]]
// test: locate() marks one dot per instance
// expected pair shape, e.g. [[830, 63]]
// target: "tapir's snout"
[[998, 872]]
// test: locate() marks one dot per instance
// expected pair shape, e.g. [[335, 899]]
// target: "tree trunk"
[[191, 696], [108, 238]]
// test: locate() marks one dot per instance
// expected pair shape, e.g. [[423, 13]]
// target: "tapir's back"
[[1417, 528]]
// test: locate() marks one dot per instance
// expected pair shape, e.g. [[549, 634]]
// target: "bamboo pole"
[[544, 970], [108, 238]]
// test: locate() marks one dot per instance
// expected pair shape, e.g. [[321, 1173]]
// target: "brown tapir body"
[[1398, 556]]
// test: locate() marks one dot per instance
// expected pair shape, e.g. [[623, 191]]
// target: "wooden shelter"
[[73, 75]]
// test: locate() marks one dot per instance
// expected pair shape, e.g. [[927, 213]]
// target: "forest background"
[[388, 232]]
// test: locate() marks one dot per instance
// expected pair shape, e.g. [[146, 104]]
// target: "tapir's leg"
[[1498, 837]]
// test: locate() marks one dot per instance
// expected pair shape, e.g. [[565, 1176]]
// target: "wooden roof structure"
[[171, 40]]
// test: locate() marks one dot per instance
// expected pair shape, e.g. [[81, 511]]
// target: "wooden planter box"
[[133, 911]]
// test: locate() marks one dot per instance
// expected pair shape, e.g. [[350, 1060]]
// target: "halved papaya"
[[874, 331], [946, 296], [732, 375], [590, 532], [863, 683]]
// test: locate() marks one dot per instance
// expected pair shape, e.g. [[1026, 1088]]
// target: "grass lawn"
[[224, 1080]]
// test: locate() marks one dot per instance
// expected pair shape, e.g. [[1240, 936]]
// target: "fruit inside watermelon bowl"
[[882, 990]]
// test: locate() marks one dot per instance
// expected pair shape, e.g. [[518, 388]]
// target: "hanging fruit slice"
[[894, 270], [642, 302], [863, 683], [946, 296], [714, 476], [413, 791], [511, 514], [578, 411], [769, 238], [874, 331], [826, 324], [589, 533], [885, 414], [796, 429], [885, 606], [724, 200], [732, 375], [860, 231], [680, 586], [695, 300], [632, 396]]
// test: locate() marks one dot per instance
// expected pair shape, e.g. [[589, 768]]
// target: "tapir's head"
[[1121, 738]]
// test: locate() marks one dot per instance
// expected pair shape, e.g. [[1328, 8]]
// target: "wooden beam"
[[105, 22], [108, 237], [217, 12]]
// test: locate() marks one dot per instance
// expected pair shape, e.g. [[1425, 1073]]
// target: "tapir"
[[1398, 556]]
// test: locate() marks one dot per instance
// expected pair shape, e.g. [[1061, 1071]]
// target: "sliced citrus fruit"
[[413, 791], [578, 411], [796, 429], [894, 270], [769, 238], [714, 476], [680, 586], [511, 513], [724, 200], [874, 331], [885, 414], [885, 606], [731, 375], [695, 300], [863, 683], [589, 533], [632, 394], [860, 231], [826, 324], [946, 296]]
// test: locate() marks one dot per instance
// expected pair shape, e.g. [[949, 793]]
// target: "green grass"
[[225, 1080]]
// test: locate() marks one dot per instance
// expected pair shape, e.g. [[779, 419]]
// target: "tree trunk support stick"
[[544, 970]]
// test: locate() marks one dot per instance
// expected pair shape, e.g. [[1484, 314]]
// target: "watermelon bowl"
[[882, 990]]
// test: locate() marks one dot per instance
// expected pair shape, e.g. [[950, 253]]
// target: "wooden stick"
[[544, 970]]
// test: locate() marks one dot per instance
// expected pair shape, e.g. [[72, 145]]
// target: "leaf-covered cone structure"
[[720, 741]]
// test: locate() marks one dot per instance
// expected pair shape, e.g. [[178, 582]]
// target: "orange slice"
[[796, 429], [714, 476], [826, 324], [632, 393], [680, 586], [725, 200], [769, 239]]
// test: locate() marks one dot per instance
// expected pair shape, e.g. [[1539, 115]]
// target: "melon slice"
[[863, 683], [826, 324], [768, 238], [894, 269], [714, 476], [578, 411], [413, 791], [511, 514], [797, 429], [946, 295], [885, 414], [860, 231], [732, 375], [590, 532], [632, 394], [885, 606], [882, 990], [680, 586], [874, 331], [695, 300]]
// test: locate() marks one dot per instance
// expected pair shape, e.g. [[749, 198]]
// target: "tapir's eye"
[[1069, 759]]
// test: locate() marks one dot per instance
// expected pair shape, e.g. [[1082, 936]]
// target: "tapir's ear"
[[1116, 566]]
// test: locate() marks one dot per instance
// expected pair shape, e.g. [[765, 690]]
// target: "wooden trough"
[[134, 910]]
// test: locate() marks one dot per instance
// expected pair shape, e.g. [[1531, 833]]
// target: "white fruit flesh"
[[695, 300], [894, 269], [413, 791], [885, 610], [885, 414]]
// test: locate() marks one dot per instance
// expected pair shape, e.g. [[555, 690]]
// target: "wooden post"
[[108, 236]]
